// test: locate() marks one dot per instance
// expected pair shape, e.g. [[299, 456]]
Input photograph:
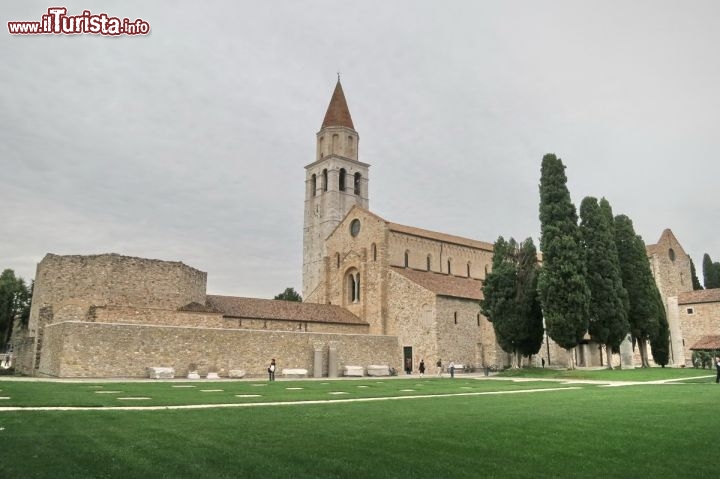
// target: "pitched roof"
[[707, 342], [699, 296], [338, 113], [446, 238], [444, 284], [236, 307], [667, 240]]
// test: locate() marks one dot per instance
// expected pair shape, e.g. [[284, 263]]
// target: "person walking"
[[452, 369], [439, 367], [271, 370], [717, 365], [421, 367], [408, 366]]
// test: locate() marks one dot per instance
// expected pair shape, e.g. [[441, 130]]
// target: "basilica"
[[375, 293]]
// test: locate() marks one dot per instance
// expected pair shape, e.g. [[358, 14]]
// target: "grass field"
[[654, 430]]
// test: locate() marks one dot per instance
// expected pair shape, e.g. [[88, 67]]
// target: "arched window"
[[350, 146], [449, 269], [320, 146], [407, 258], [325, 182], [373, 249], [356, 183], [342, 179], [468, 269], [335, 139], [428, 262], [313, 184], [352, 280]]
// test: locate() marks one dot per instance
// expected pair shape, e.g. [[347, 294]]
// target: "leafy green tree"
[[511, 301], [638, 281], [15, 299], [564, 294], [711, 273], [608, 299], [693, 274], [289, 295]]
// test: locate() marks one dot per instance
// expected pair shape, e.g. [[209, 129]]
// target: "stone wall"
[[81, 349], [703, 321], [461, 339], [440, 252], [78, 282], [411, 317]]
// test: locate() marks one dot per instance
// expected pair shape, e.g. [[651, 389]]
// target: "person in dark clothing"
[[421, 367], [271, 370], [408, 366], [717, 366]]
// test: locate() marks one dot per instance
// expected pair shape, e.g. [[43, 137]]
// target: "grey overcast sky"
[[189, 144]]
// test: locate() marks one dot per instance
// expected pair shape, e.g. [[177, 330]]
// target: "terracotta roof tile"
[[281, 310], [699, 296], [338, 113], [707, 342], [443, 284]]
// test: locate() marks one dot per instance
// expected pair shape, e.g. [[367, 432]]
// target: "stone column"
[[332, 360], [317, 360], [626, 353]]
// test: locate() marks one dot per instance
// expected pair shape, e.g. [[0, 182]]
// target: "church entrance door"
[[407, 359]]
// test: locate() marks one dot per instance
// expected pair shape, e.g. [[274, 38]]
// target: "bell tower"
[[334, 182]]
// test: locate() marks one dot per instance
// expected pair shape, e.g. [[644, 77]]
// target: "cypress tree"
[[693, 274], [510, 298], [711, 273], [564, 293], [608, 299], [660, 340], [638, 281]]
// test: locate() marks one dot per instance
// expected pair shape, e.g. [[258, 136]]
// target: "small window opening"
[[342, 179]]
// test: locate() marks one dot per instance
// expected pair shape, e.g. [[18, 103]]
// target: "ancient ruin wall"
[[81, 349], [75, 283]]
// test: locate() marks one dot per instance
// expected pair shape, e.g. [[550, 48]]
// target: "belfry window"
[[342, 179], [313, 184], [356, 183], [325, 180]]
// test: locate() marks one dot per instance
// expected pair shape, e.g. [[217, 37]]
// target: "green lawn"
[[638, 374], [652, 431]]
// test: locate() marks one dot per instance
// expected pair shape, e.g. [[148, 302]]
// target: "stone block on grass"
[[378, 370], [294, 373], [160, 373], [357, 371]]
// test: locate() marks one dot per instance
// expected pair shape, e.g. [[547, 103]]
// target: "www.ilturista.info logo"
[[58, 22]]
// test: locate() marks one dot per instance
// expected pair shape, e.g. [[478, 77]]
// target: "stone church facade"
[[375, 293]]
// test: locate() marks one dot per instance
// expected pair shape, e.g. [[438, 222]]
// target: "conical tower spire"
[[338, 113]]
